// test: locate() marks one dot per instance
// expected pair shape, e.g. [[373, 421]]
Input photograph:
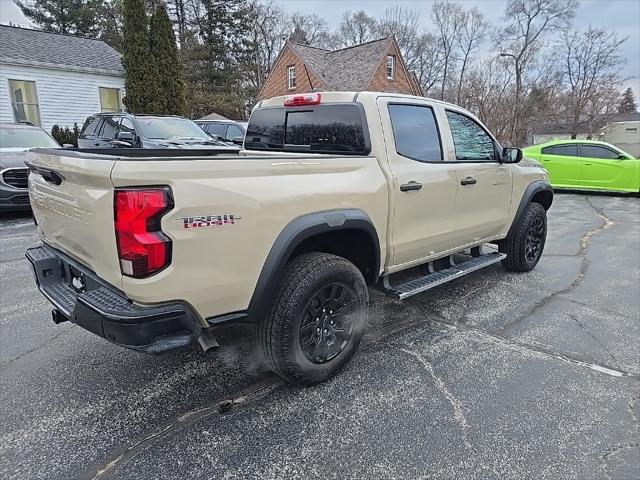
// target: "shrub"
[[66, 135]]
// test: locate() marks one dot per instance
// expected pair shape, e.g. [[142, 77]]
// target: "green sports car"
[[587, 165]]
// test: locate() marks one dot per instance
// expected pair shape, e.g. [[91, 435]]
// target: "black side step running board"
[[431, 280]]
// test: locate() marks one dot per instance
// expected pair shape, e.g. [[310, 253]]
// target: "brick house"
[[375, 66]]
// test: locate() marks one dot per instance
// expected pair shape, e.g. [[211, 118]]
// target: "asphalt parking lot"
[[497, 375]]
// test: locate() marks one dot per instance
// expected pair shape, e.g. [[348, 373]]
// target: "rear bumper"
[[102, 309]]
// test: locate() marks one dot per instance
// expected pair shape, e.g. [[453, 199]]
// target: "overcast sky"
[[623, 16]]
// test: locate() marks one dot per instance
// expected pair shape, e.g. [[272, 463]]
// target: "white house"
[[49, 78]]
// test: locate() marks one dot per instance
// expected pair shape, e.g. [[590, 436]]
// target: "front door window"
[[470, 139]]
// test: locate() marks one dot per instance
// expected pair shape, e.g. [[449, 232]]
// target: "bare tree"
[[428, 66], [591, 68], [270, 30], [473, 31], [488, 88], [521, 39], [599, 108], [354, 29], [448, 18], [178, 9], [309, 29], [404, 25]]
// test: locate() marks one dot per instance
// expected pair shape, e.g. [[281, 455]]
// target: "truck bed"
[[215, 268]]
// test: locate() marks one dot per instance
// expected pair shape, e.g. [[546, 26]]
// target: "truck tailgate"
[[72, 201]]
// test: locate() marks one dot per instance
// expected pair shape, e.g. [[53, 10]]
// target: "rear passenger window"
[[471, 141], [415, 132], [595, 151], [562, 150], [90, 125]]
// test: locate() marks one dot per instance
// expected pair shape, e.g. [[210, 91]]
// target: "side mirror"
[[68, 145], [126, 137], [622, 157], [511, 155], [238, 140]]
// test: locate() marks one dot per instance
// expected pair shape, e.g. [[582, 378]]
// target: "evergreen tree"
[[75, 17], [165, 54], [216, 77], [141, 76], [627, 103], [110, 20]]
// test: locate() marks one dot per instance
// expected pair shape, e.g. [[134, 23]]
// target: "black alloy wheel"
[[327, 324], [535, 240]]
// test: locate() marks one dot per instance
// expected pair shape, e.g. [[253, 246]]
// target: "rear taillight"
[[300, 100], [142, 247]]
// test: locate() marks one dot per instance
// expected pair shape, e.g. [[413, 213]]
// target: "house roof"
[[349, 68], [214, 116], [34, 47], [583, 125]]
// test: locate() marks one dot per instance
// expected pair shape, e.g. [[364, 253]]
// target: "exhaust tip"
[[207, 340], [58, 317]]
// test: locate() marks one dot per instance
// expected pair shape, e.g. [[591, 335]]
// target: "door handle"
[[412, 185], [468, 181]]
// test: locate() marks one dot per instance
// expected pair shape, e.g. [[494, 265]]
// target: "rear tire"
[[316, 320], [524, 248]]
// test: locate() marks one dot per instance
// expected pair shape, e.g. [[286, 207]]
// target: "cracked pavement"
[[496, 375]]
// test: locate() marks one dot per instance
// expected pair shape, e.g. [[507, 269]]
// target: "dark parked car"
[[226, 130], [15, 140], [124, 130]]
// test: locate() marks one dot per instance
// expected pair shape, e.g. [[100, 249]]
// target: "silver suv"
[[15, 140]]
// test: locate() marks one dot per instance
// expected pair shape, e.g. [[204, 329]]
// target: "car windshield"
[[25, 138], [171, 127]]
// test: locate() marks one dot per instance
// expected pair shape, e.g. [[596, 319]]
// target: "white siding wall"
[[64, 97], [624, 135]]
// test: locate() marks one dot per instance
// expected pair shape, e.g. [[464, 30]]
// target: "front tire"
[[524, 248], [316, 320]]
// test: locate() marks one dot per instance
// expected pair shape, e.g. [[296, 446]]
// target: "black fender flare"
[[531, 191], [292, 236]]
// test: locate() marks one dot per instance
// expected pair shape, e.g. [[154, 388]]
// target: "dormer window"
[[291, 77], [391, 66]]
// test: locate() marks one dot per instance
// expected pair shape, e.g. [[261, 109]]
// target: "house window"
[[391, 66], [24, 101], [291, 77], [110, 100]]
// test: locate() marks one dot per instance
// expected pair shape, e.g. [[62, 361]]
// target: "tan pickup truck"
[[333, 191]]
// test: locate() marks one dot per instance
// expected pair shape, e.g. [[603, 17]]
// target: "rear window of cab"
[[330, 128]]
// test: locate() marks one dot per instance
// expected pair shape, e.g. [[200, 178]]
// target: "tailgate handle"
[[50, 176]]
